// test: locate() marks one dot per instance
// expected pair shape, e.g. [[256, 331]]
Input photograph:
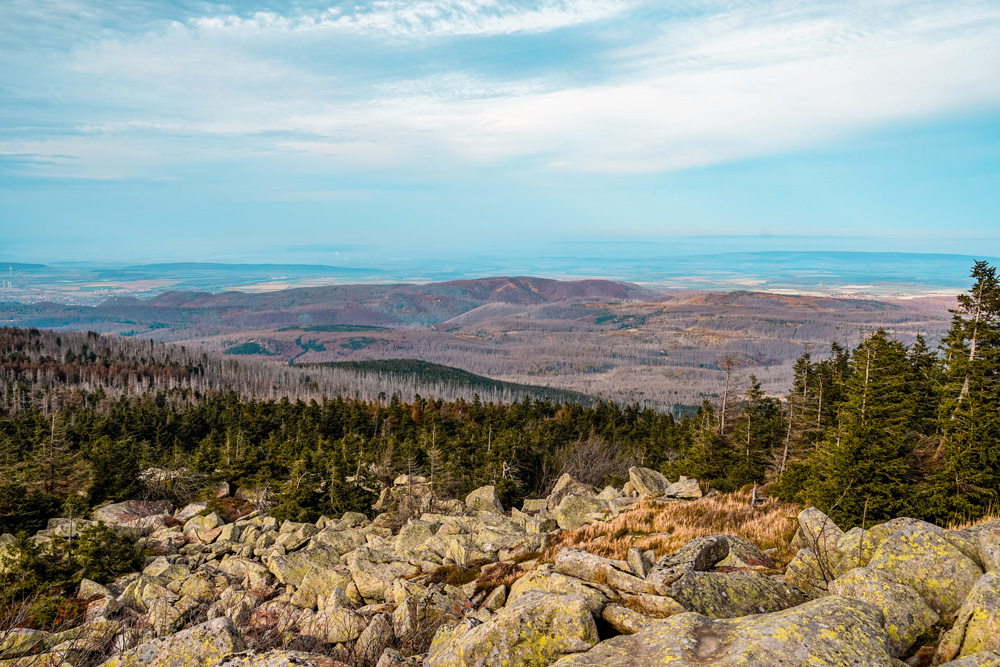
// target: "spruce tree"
[[758, 435], [967, 479], [862, 468]]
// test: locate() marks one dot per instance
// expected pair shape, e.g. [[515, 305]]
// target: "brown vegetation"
[[667, 526]]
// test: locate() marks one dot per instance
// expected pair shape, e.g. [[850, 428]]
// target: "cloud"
[[423, 18], [707, 84]]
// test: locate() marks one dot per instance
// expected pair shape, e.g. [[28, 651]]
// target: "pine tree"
[[968, 477], [864, 458], [758, 435]]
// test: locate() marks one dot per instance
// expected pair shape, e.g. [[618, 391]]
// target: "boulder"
[[809, 573], [977, 627], [582, 565], [624, 620], [249, 572], [655, 606], [419, 616], [484, 499], [126, 512], [984, 659], [531, 633], [907, 616], [21, 641], [930, 564], [819, 533], [199, 646], [685, 489], [333, 626], [647, 482], [278, 658], [831, 632], [372, 578], [375, 638], [496, 599], [572, 511], [567, 486], [535, 505], [639, 562], [700, 554], [559, 584], [988, 544], [291, 569], [744, 554], [728, 595]]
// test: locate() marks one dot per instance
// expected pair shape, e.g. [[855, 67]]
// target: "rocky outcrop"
[[907, 616], [445, 583], [831, 632]]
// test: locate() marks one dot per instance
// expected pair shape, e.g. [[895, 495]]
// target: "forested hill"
[[408, 371]]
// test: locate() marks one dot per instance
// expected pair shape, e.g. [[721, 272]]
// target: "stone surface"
[[278, 658], [558, 584], [988, 544], [130, 510], [700, 554], [567, 486], [985, 659], [728, 595], [977, 627], [744, 554], [647, 482], [484, 499], [624, 620], [932, 566], [809, 573], [588, 567], [831, 632], [819, 533], [199, 646], [375, 638], [572, 511], [907, 616], [533, 632], [333, 626], [639, 562], [685, 489]]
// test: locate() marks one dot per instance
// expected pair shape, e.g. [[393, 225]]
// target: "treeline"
[[312, 458], [883, 430], [880, 431]]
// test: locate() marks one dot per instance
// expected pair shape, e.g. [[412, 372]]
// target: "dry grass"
[[503, 573], [991, 515], [666, 527]]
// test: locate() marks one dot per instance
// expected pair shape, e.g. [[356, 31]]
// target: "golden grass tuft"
[[991, 515], [667, 526], [503, 573]]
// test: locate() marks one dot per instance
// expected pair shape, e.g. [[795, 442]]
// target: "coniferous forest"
[[866, 434]]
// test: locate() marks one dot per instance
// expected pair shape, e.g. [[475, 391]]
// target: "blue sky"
[[196, 130]]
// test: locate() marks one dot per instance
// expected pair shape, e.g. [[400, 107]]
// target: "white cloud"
[[424, 18], [741, 81]]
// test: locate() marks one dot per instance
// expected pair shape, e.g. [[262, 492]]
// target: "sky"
[[280, 131]]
